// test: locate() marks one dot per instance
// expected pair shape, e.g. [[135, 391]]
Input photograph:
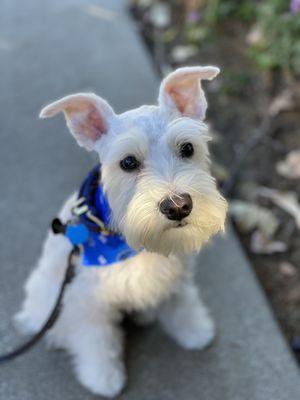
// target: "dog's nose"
[[176, 207]]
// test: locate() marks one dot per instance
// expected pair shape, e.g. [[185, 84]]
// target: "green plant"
[[218, 10], [279, 46], [214, 12]]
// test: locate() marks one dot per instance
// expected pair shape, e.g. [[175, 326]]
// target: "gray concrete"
[[49, 49]]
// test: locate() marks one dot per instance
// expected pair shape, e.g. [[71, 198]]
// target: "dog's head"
[[155, 163]]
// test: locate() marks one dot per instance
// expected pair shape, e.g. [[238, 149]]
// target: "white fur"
[[158, 282]]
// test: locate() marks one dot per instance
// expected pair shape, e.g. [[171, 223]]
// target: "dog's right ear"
[[88, 116]]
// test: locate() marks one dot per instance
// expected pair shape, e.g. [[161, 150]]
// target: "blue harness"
[[101, 247]]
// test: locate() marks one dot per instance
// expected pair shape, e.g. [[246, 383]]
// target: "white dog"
[[164, 202]]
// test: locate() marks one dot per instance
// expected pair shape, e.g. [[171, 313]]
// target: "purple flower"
[[295, 6], [193, 17]]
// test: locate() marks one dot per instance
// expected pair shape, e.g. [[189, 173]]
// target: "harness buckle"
[[97, 221], [80, 207]]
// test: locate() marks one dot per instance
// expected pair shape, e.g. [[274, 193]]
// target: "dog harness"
[[89, 233], [89, 229]]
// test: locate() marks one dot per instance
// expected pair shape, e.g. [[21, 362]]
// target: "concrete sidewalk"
[[47, 50]]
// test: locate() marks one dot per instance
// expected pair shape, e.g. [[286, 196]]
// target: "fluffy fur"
[[158, 282]]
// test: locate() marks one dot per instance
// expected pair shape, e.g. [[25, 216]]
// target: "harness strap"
[[85, 207]]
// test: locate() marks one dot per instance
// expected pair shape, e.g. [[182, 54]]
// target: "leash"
[[69, 274], [77, 234], [87, 230]]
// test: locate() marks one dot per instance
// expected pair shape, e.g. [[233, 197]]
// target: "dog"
[[155, 174]]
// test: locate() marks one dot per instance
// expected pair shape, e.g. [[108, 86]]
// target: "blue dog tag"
[[77, 234]]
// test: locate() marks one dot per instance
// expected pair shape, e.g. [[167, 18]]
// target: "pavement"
[[47, 50]]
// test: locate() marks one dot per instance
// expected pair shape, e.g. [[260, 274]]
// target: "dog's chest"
[[143, 281]]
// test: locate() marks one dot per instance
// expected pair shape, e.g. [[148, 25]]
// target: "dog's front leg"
[[43, 284], [186, 319], [90, 331], [97, 351]]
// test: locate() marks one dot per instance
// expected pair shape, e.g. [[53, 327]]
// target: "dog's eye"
[[186, 150], [129, 163]]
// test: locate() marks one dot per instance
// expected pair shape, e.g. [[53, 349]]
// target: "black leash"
[[69, 274], [85, 212]]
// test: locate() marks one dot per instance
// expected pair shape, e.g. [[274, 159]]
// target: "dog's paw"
[[25, 324], [196, 335], [199, 336], [107, 381]]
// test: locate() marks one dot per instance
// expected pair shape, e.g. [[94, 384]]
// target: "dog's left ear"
[[88, 116], [181, 92]]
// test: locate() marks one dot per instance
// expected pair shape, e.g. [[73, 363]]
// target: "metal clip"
[[98, 222], [80, 207]]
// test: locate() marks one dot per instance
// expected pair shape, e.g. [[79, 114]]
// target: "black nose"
[[176, 207]]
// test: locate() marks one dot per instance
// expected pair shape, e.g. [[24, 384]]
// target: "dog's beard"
[[145, 227]]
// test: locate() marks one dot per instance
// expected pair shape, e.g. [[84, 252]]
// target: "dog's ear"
[[181, 92], [87, 115]]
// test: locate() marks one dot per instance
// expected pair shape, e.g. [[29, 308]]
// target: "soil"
[[238, 101]]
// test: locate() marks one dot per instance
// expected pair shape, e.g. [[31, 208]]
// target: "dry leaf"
[[287, 269], [287, 201], [283, 102], [250, 216], [100, 12], [260, 244], [290, 167], [182, 53], [255, 36], [160, 15]]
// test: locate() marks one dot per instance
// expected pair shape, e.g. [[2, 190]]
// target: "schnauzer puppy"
[[164, 204]]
